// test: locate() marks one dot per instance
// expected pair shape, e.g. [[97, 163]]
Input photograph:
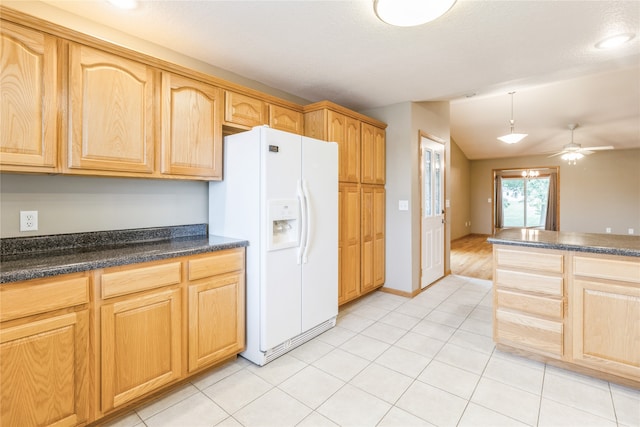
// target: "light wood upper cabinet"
[[191, 141], [28, 100], [286, 119], [346, 132], [44, 352], [373, 155], [110, 113], [244, 110]]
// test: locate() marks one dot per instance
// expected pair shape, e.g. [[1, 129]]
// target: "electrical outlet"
[[28, 220], [607, 230], [631, 231]]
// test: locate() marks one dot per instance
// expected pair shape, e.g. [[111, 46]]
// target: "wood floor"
[[471, 256]]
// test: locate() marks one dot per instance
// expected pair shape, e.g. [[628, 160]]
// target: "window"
[[524, 202]]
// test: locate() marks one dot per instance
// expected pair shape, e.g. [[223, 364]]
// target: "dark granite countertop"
[[25, 258], [611, 244]]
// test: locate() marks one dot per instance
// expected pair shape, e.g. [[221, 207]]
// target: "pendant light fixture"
[[511, 137], [409, 13]]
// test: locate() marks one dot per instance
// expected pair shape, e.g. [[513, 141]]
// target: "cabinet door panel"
[[29, 99], [244, 110], [379, 206], [191, 130], [380, 150], [604, 335], [367, 239], [110, 112], [140, 346], [216, 320], [286, 119], [44, 371], [350, 237]]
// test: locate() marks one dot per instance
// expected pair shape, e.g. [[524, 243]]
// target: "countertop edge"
[[113, 261]]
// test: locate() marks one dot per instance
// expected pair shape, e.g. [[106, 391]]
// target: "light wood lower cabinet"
[[44, 352], [372, 237], [606, 314], [529, 300], [349, 242], [140, 346]]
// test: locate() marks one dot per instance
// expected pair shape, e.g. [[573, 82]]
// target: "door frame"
[[423, 134]]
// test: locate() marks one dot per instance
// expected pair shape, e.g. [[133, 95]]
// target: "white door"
[[432, 210], [320, 261], [280, 292]]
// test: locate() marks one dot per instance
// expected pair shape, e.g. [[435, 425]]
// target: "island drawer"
[[23, 299], [521, 330], [530, 282], [542, 306], [531, 260], [624, 270], [127, 280], [216, 263]]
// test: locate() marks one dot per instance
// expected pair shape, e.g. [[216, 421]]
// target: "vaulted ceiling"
[[472, 56]]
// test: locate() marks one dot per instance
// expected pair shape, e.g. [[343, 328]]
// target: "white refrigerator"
[[280, 192]]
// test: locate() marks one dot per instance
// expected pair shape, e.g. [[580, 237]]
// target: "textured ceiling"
[[339, 50]]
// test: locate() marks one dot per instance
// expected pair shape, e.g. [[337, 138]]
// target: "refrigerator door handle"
[[308, 223], [303, 220]]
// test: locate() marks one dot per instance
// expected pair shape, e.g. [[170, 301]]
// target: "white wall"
[[73, 204], [405, 121], [602, 190]]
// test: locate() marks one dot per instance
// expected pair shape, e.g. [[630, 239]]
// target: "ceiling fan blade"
[[557, 154], [586, 152], [603, 147]]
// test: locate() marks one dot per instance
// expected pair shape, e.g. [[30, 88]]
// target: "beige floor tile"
[[354, 322], [369, 311], [383, 332], [314, 419], [404, 361], [554, 414], [433, 330], [237, 390], [414, 309], [576, 393], [194, 411], [341, 364], [273, 409], [229, 422], [311, 351], [626, 402], [396, 417], [164, 402], [507, 400], [463, 358], [462, 310], [130, 419], [449, 378], [335, 336], [478, 416], [472, 341], [445, 318], [351, 406], [365, 347], [382, 382], [279, 369], [432, 404], [311, 386], [478, 327], [421, 344], [399, 320], [515, 374], [205, 380], [387, 301]]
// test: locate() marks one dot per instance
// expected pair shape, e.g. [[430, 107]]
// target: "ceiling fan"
[[572, 151]]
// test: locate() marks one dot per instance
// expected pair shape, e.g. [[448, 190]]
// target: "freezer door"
[[280, 294], [320, 265]]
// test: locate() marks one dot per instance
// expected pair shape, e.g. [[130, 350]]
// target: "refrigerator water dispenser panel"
[[283, 224]]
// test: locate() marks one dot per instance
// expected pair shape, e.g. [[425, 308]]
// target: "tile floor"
[[394, 361]]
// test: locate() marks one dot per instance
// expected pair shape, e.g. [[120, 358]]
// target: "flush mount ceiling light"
[[409, 13], [124, 4], [512, 138], [615, 41]]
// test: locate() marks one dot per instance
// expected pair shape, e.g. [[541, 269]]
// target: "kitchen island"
[[93, 323], [569, 299]]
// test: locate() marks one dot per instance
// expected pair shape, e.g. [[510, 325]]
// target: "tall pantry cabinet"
[[361, 172]]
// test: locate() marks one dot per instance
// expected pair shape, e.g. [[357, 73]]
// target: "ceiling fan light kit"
[[511, 137], [409, 13], [615, 41]]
